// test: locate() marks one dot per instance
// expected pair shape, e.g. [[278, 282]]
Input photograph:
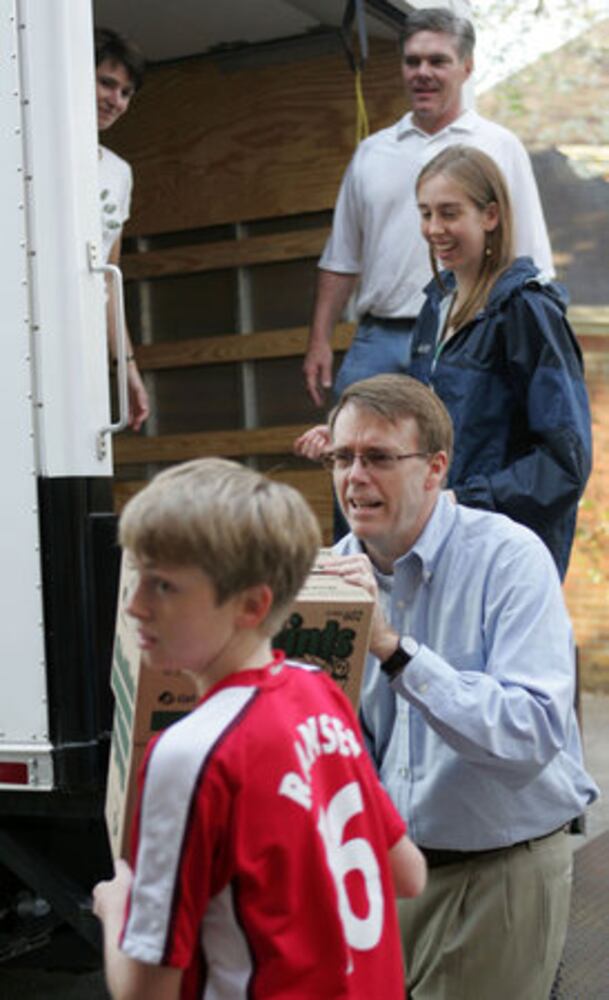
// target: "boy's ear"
[[254, 606]]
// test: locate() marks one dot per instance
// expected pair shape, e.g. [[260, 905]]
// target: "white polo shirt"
[[376, 228]]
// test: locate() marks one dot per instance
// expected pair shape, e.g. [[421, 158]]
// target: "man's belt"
[[389, 320], [438, 858]]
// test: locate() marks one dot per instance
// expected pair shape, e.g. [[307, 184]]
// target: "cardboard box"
[[328, 625], [145, 702]]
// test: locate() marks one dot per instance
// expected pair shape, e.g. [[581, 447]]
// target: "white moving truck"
[[58, 557], [59, 561]]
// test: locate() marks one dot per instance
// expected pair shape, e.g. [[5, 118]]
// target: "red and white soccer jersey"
[[260, 847]]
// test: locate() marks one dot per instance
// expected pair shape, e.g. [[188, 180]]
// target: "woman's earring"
[[487, 251]]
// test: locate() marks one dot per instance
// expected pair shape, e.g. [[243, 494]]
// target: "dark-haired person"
[[375, 242], [119, 70]]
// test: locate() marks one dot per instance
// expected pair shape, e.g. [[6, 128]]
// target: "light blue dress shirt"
[[477, 740]]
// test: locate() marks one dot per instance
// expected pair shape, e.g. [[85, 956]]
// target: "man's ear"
[[438, 467], [255, 604], [468, 66]]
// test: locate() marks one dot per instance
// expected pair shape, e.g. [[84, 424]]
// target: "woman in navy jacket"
[[494, 342]]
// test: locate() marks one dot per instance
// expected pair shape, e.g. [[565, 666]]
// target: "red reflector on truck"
[[13, 773]]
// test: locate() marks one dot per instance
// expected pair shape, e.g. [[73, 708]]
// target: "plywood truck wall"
[[237, 165]]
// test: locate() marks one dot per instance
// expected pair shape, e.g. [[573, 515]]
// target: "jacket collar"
[[521, 272]]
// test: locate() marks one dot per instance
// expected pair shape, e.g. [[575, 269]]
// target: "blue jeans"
[[379, 347]]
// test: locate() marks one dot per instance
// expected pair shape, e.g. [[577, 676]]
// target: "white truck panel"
[[23, 709], [64, 219]]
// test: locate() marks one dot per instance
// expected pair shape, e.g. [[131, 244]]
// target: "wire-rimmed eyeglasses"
[[375, 458]]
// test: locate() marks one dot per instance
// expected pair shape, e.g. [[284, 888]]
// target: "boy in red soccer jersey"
[[266, 854]]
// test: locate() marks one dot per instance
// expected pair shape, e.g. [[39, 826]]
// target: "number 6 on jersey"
[[355, 855]]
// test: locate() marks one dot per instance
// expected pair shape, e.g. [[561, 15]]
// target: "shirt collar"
[[429, 545], [464, 123]]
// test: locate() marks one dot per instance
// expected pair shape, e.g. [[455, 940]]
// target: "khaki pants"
[[490, 928]]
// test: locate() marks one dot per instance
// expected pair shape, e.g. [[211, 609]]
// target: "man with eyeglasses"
[[467, 699]]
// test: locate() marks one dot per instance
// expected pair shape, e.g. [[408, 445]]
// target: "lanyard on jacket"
[[446, 308]]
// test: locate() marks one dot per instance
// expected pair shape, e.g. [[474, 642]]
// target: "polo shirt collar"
[[464, 123]]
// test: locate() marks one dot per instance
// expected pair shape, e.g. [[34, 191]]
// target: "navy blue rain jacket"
[[512, 381]]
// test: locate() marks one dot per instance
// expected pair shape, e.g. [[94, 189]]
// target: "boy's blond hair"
[[240, 528]]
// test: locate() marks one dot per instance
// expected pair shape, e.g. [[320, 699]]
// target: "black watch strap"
[[395, 663]]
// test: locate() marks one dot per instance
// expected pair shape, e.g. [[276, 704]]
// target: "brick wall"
[[587, 583], [553, 105]]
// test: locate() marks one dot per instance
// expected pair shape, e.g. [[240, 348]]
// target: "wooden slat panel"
[[291, 342], [134, 450], [592, 331], [123, 491], [287, 343], [589, 316], [314, 484], [591, 324], [211, 142], [273, 248]]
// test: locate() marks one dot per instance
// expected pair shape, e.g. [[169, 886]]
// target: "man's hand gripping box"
[[329, 625]]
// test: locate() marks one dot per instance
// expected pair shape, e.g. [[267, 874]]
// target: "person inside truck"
[[467, 699], [266, 854], [375, 243], [119, 70]]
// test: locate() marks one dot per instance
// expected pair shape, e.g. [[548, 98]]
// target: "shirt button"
[[403, 772], [422, 688], [401, 604]]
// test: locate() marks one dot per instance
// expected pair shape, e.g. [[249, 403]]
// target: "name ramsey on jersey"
[[320, 734]]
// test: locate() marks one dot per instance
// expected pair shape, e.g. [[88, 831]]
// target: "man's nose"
[[359, 468]]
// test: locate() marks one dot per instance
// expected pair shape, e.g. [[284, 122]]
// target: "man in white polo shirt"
[[375, 239]]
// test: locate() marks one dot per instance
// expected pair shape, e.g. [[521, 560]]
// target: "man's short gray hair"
[[441, 20]]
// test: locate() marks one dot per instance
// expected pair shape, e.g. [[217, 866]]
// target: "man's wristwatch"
[[395, 663]]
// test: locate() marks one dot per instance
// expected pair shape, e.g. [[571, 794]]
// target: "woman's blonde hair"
[[484, 184]]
